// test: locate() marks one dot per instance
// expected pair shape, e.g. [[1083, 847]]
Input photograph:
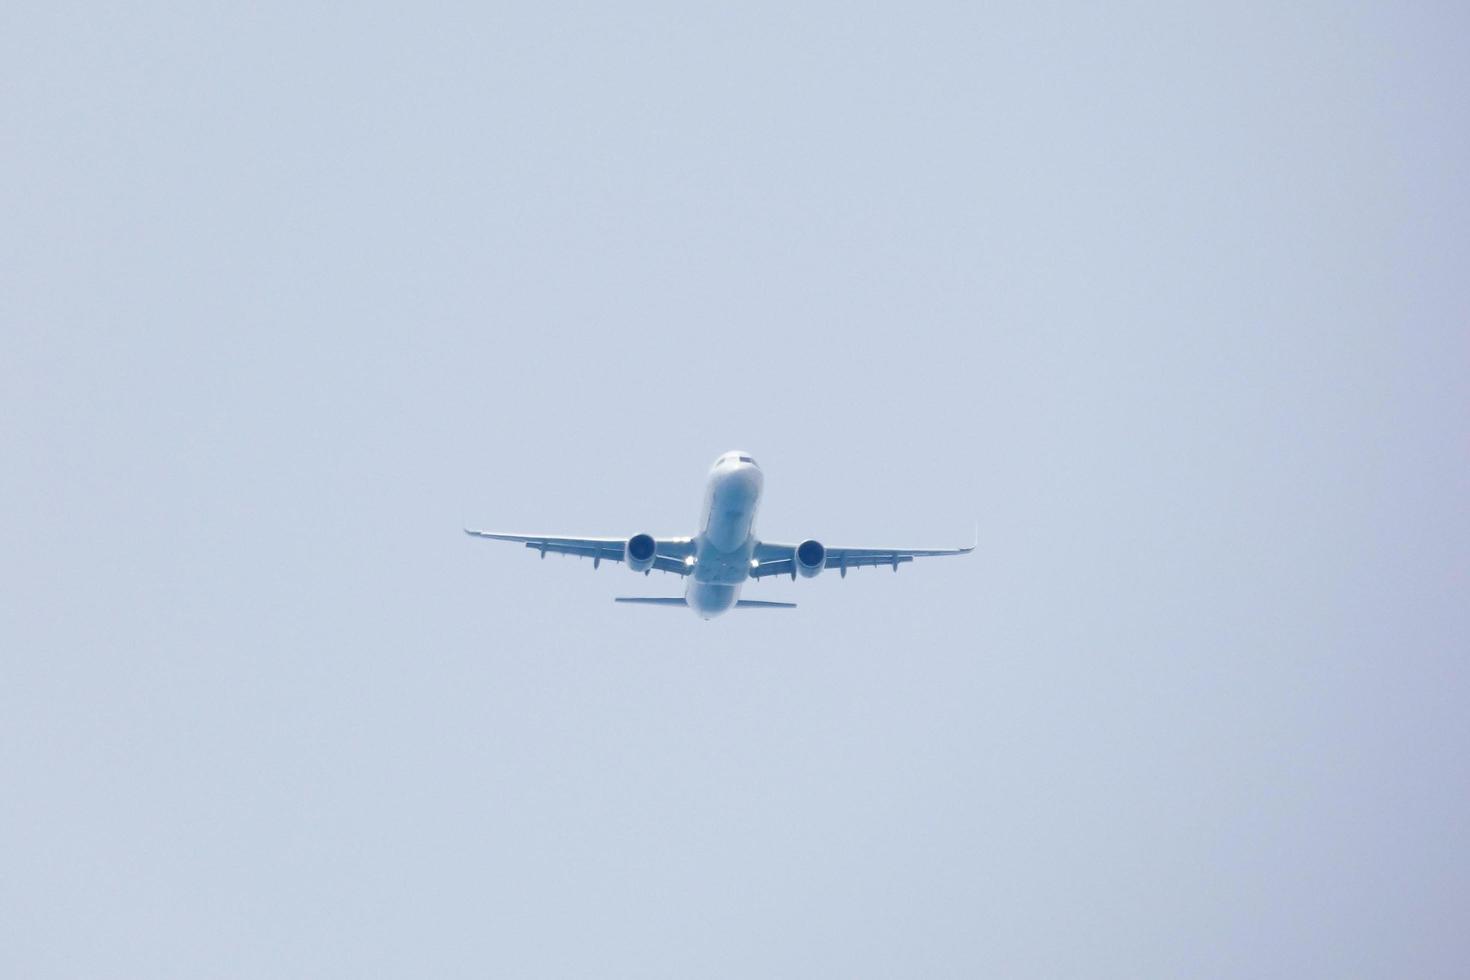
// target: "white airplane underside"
[[725, 554]]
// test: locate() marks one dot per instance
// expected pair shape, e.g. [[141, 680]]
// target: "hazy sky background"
[[1172, 300]]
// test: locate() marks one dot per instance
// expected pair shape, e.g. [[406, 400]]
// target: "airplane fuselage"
[[725, 545]]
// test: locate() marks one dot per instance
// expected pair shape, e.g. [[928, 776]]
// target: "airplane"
[[721, 558]]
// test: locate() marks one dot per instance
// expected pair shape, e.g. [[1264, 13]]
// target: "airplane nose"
[[736, 460], [749, 477]]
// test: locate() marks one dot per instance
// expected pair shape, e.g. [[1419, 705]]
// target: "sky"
[[1170, 300]]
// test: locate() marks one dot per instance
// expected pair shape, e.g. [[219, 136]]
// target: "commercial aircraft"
[[725, 554]]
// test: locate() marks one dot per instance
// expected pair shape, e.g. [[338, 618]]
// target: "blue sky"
[[1171, 300]]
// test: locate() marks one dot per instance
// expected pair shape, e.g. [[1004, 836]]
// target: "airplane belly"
[[715, 567], [710, 600]]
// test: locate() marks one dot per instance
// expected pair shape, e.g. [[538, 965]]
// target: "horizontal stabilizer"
[[742, 604]]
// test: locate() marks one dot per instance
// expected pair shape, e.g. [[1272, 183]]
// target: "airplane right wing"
[[780, 559]]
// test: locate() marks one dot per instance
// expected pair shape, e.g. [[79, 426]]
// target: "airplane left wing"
[[669, 553]]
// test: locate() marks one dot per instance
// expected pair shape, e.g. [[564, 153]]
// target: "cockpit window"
[[746, 459]]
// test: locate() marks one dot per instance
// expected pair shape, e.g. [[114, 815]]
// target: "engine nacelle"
[[638, 552], [810, 558]]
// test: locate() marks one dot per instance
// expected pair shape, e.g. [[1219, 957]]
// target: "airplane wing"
[[779, 559], [669, 553]]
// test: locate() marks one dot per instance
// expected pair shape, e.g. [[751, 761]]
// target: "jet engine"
[[810, 558], [638, 552]]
